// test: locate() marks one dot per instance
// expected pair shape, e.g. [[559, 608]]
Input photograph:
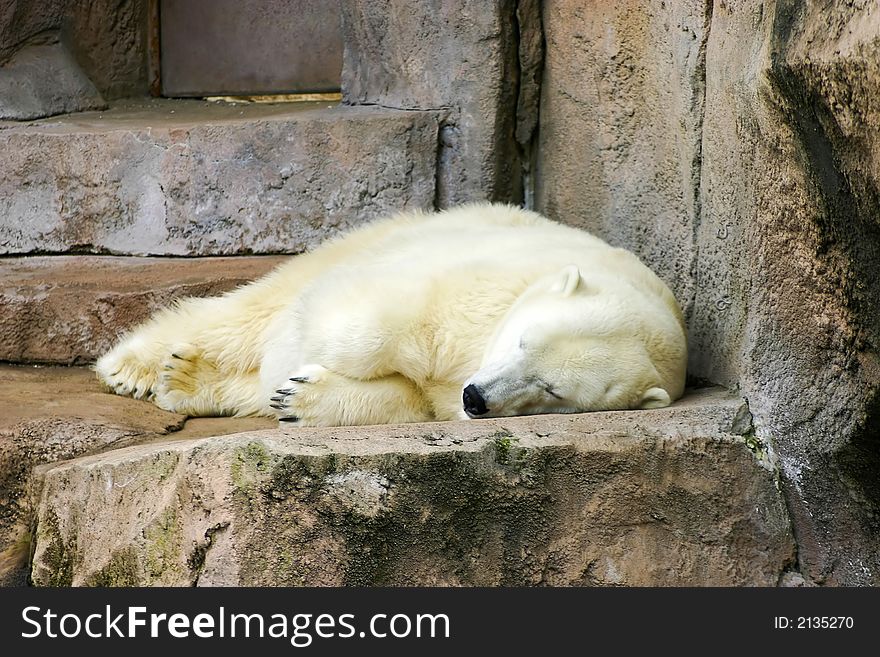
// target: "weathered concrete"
[[460, 56], [42, 80], [196, 178], [107, 38], [50, 414], [666, 497], [71, 309], [621, 117]]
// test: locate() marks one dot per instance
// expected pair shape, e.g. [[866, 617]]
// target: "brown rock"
[[107, 37], [665, 497], [788, 301], [70, 309], [733, 145], [195, 178]]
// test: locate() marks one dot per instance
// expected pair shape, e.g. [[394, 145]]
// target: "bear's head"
[[566, 346]]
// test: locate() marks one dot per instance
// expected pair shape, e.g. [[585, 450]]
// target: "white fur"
[[390, 322]]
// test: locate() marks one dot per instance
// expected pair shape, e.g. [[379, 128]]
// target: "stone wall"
[[621, 116], [732, 144], [462, 56]]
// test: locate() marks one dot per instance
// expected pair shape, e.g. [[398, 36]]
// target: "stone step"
[[70, 309], [673, 496], [52, 413], [188, 177]]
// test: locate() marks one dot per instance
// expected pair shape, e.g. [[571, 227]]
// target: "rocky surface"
[[666, 497], [733, 146], [195, 178], [42, 80], [459, 56], [620, 134], [48, 414], [106, 37], [70, 309], [788, 301]]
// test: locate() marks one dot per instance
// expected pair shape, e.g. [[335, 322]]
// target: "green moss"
[[755, 444], [249, 467], [163, 543], [163, 466], [58, 556], [299, 473], [121, 571], [504, 441]]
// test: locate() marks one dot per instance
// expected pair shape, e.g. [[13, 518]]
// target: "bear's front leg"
[[316, 397]]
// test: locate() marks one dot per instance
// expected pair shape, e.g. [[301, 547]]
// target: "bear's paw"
[[185, 382], [306, 399], [126, 372]]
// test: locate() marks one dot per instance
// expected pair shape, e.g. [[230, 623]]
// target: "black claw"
[[284, 391], [299, 379], [280, 398], [280, 407], [291, 418]]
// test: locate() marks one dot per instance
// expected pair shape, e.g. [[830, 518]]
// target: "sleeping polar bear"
[[479, 311]]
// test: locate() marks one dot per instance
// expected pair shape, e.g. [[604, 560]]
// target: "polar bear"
[[483, 310]]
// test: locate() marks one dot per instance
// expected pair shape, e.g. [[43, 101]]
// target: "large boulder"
[[462, 57], [676, 496]]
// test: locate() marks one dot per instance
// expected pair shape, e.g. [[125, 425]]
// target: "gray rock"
[[195, 178], [43, 80], [788, 302], [26, 21], [621, 118], [735, 150], [107, 38], [459, 56], [665, 497]]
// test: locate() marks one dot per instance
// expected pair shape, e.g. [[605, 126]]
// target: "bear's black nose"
[[474, 404]]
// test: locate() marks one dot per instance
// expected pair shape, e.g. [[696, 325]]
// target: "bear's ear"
[[655, 398], [567, 281]]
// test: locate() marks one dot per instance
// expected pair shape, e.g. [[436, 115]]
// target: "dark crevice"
[[530, 45], [699, 110], [442, 108], [196, 560]]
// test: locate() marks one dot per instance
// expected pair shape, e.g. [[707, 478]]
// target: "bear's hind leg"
[[316, 397]]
